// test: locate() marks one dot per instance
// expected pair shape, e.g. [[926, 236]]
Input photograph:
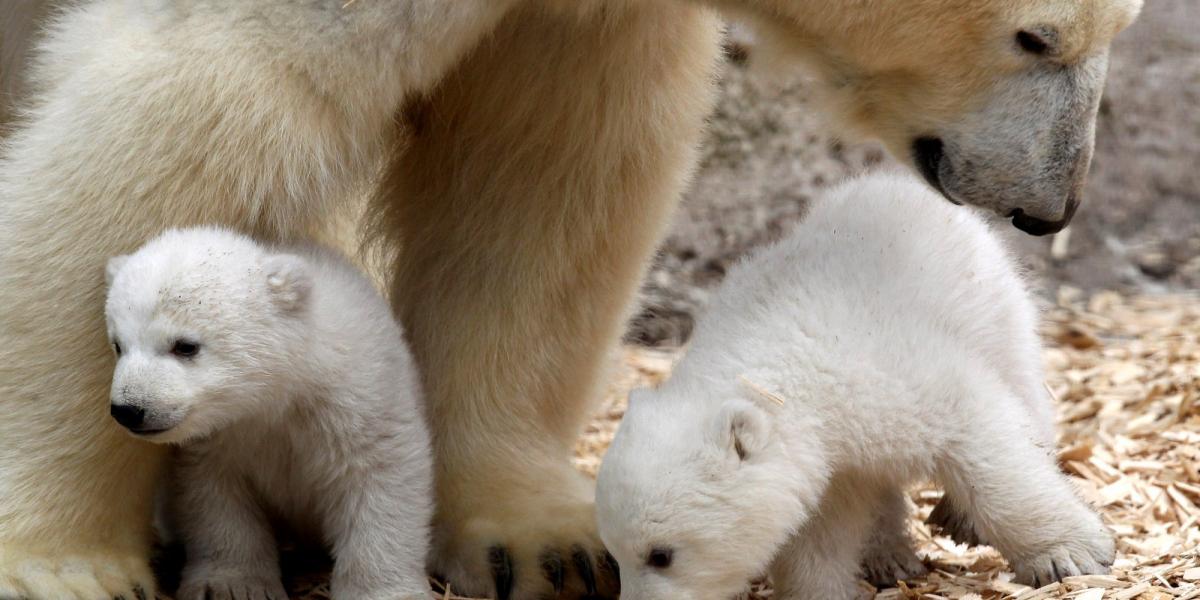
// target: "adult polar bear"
[[540, 148]]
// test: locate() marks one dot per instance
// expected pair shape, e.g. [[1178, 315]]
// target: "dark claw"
[[139, 593], [552, 568], [502, 571], [608, 563], [583, 564]]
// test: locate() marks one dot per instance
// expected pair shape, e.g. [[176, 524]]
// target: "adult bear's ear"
[[289, 281], [744, 429], [113, 267]]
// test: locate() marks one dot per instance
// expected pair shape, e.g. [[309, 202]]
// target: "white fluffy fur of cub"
[[288, 385], [887, 340]]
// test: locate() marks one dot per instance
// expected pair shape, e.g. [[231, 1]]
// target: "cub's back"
[[344, 298], [357, 333], [882, 268]]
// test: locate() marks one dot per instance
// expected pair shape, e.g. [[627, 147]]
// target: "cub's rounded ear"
[[113, 267], [289, 281], [744, 429]]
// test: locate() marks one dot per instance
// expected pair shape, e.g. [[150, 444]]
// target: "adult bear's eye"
[[1034, 42], [660, 558], [185, 348]]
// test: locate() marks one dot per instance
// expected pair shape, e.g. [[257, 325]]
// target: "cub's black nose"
[[128, 415]]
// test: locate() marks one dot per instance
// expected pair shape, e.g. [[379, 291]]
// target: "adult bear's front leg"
[[524, 212], [261, 116]]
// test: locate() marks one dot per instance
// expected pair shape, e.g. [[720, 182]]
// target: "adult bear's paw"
[[524, 546], [92, 576]]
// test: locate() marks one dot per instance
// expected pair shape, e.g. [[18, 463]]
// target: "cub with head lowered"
[[286, 381], [887, 340]]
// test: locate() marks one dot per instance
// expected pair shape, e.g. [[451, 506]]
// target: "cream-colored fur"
[[18, 26], [969, 88], [522, 156]]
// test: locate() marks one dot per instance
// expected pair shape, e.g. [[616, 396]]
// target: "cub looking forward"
[[886, 341], [285, 380]]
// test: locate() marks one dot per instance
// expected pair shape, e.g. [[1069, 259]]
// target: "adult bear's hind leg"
[[524, 212]]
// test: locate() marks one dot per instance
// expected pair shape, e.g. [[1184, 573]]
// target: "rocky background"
[[768, 153]]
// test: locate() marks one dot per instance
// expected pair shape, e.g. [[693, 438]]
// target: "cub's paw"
[[886, 563], [827, 590], [205, 582], [405, 593], [1088, 554], [949, 520], [524, 548], [375, 590], [93, 576]]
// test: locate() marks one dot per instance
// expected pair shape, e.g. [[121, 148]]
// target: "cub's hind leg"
[[1018, 500]]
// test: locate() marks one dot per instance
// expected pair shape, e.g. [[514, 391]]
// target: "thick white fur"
[[522, 158], [302, 403], [887, 340]]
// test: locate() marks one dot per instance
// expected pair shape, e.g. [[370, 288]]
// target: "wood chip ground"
[[1126, 373]]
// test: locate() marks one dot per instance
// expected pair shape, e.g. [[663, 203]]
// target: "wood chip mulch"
[[1126, 374]]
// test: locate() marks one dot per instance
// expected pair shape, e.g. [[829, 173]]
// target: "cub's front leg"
[[889, 555], [231, 549], [822, 559], [380, 524]]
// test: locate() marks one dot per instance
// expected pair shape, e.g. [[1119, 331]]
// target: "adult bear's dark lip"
[[928, 153]]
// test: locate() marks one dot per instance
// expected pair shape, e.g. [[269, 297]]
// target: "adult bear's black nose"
[[1035, 226], [128, 415]]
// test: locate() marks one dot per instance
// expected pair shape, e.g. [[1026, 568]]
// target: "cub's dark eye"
[[1032, 42], [117, 347], [660, 558], [185, 348]]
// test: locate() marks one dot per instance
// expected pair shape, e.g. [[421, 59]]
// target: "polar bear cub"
[[287, 384], [887, 340]]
